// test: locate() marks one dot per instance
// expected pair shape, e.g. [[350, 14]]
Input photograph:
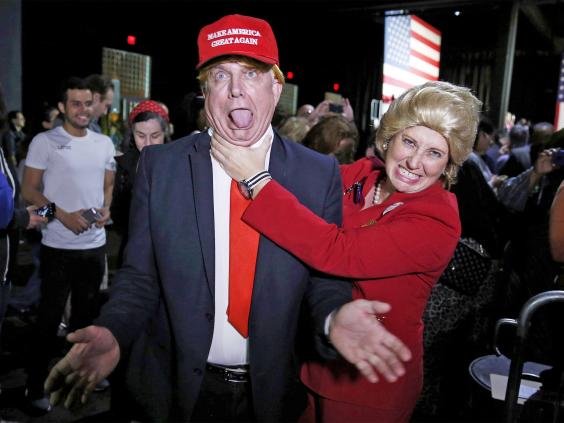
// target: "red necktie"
[[243, 248]]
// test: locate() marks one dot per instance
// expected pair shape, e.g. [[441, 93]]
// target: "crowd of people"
[[267, 271]]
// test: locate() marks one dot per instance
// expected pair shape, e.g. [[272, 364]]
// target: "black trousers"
[[63, 272], [223, 401]]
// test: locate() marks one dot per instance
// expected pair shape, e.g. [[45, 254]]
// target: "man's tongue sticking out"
[[241, 118]]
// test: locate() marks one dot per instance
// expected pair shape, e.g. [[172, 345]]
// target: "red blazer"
[[394, 251]]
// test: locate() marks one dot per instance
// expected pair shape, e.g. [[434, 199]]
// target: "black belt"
[[230, 374]]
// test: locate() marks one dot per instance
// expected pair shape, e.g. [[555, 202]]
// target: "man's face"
[[485, 140], [78, 108], [240, 102], [102, 104]]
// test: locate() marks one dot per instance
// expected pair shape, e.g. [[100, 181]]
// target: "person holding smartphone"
[[71, 169], [539, 181]]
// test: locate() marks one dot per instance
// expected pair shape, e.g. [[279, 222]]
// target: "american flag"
[[559, 119], [412, 54]]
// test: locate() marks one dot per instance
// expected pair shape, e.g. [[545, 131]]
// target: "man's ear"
[[96, 97], [277, 89]]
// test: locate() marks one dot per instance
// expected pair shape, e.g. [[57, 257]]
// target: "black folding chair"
[[510, 357], [523, 325]]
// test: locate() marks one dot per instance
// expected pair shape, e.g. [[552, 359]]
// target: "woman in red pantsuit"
[[400, 228]]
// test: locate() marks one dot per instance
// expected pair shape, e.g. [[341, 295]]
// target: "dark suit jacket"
[[161, 306]]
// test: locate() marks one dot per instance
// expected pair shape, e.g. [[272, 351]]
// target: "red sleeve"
[[410, 241]]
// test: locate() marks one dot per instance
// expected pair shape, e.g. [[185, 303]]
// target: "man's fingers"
[[382, 367], [76, 393], [366, 369], [55, 397], [84, 397], [386, 343], [379, 307], [398, 347], [387, 365], [92, 382], [70, 398], [57, 375], [81, 335]]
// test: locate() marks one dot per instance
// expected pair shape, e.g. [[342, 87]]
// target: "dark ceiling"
[[320, 41]]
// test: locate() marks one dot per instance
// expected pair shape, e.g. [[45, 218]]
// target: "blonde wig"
[[451, 110]]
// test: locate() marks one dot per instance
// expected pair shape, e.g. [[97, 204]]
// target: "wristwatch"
[[246, 186]]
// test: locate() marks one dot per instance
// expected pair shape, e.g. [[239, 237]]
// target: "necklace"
[[377, 199]]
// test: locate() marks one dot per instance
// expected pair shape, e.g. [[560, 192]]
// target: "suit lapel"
[[202, 180], [278, 160], [268, 257]]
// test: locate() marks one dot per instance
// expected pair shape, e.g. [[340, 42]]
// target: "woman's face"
[[148, 133], [416, 158]]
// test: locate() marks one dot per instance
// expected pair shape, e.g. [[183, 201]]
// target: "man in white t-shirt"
[[71, 170]]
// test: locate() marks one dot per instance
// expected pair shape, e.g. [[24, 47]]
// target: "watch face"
[[244, 190]]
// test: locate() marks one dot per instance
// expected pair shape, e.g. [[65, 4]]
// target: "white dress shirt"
[[228, 347]]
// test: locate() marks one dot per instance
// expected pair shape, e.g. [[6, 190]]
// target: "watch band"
[[246, 186]]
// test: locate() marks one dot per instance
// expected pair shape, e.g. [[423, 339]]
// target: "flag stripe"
[[424, 49], [403, 75], [411, 54], [559, 113], [426, 25], [424, 40], [424, 68], [559, 120], [392, 81], [426, 59]]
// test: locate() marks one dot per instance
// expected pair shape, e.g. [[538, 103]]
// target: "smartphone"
[[558, 158], [48, 210], [91, 215], [335, 108]]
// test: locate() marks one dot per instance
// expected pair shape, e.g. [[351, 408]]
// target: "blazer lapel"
[[268, 252], [202, 180], [278, 160]]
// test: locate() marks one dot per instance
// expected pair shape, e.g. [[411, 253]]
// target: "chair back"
[[518, 357]]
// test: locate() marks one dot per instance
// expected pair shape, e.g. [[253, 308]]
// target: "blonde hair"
[[247, 61], [295, 128], [451, 110]]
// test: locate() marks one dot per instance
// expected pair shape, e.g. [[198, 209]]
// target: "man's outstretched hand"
[[356, 332], [94, 355]]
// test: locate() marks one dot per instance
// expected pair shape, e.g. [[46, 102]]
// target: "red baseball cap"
[[237, 35]]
